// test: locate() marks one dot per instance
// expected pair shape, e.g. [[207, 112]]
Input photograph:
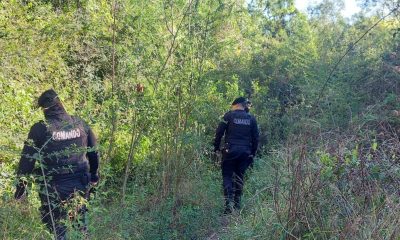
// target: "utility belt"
[[227, 146], [66, 174], [243, 144], [83, 176], [67, 169], [238, 141]]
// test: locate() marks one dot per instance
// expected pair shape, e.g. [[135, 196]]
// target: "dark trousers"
[[234, 165], [61, 190]]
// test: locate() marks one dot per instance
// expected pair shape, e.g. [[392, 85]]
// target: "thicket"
[[328, 167]]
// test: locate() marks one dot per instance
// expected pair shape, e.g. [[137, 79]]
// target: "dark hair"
[[238, 100], [48, 99]]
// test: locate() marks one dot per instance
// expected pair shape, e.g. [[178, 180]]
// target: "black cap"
[[239, 100], [48, 99]]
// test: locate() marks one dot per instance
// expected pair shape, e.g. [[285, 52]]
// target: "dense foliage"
[[327, 106]]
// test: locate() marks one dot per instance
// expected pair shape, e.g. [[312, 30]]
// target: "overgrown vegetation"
[[329, 163]]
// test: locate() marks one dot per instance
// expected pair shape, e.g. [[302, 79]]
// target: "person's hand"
[[216, 156], [216, 150], [94, 184], [216, 153], [20, 191], [94, 179], [21, 198]]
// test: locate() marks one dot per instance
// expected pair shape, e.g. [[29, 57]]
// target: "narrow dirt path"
[[224, 222]]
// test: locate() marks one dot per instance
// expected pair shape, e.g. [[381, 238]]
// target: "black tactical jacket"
[[240, 128], [64, 144]]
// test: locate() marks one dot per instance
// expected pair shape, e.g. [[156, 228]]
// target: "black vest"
[[239, 128], [64, 150]]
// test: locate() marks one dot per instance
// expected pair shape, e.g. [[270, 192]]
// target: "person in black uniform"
[[241, 142], [62, 151]]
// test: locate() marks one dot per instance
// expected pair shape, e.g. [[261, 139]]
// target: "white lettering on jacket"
[[66, 135], [241, 121]]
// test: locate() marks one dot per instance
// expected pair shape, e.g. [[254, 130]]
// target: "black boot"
[[228, 207], [237, 202], [228, 203]]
